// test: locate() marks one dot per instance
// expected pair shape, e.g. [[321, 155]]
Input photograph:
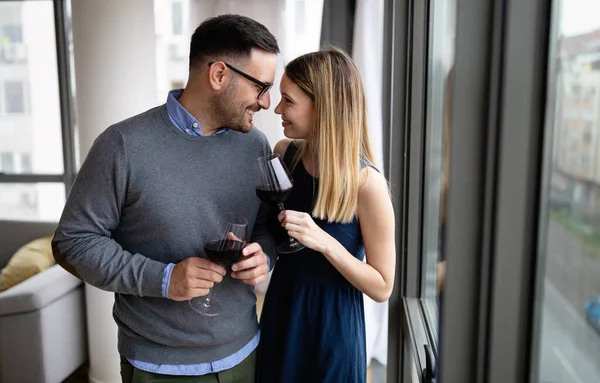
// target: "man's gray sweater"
[[147, 195]]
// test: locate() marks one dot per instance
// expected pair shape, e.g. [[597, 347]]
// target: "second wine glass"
[[225, 251], [275, 185]]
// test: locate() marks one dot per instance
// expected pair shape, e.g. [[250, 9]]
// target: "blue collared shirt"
[[185, 122]]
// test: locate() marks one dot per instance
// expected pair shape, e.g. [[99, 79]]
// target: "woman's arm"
[[376, 216]]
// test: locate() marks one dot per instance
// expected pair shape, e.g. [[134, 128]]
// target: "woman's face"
[[296, 110]]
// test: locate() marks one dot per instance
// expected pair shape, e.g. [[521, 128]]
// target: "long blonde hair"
[[340, 138]]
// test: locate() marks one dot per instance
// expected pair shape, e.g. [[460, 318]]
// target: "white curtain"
[[367, 51], [368, 55]]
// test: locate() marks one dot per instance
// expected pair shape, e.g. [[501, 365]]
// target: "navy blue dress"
[[312, 322]]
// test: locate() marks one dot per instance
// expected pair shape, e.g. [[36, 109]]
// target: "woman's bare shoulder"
[[282, 146]]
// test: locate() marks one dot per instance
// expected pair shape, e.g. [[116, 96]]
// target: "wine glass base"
[[199, 306], [289, 248]]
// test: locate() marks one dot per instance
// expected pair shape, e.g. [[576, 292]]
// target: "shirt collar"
[[182, 119]]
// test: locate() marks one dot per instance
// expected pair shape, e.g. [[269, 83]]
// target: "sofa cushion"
[[30, 259]]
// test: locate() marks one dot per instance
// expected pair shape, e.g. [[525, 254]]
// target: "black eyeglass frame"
[[265, 86]]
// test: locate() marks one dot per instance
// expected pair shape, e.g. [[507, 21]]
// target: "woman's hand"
[[302, 227]]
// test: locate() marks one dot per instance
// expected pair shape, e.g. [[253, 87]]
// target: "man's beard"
[[231, 115]]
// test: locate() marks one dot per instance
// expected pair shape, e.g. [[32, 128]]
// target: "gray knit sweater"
[[146, 196]]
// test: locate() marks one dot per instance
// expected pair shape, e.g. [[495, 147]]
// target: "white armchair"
[[42, 320]]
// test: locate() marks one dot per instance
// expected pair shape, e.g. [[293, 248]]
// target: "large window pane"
[[30, 124], [570, 310], [32, 201], [441, 57]]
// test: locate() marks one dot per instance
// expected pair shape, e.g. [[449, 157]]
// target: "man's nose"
[[265, 101]]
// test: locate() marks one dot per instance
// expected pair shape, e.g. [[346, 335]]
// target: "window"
[[569, 337], [177, 14], [585, 161], [32, 185], [14, 97], [32, 201], [7, 164], [26, 165], [436, 169], [12, 33]]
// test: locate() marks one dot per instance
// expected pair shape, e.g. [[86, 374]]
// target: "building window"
[[31, 146], [26, 164], [177, 13], [12, 33], [14, 97], [7, 164], [585, 161]]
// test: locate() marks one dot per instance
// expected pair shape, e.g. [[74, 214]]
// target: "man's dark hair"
[[229, 36]]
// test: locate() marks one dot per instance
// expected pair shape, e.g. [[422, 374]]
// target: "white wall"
[[115, 75]]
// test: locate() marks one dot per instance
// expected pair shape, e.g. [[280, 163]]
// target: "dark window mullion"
[[66, 99], [30, 178], [395, 81]]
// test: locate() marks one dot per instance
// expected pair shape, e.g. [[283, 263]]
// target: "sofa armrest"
[[37, 291]]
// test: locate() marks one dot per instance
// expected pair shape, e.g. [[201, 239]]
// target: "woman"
[[312, 323]]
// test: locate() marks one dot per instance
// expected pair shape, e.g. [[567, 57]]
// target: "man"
[[145, 201]]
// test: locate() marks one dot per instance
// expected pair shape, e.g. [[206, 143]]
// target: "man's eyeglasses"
[[264, 86]]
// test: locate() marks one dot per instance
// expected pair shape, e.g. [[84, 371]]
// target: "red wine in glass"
[[273, 196], [275, 186], [225, 251]]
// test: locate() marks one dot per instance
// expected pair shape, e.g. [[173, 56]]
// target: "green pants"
[[242, 373]]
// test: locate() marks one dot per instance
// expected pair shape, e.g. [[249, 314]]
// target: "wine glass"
[[225, 250], [275, 186]]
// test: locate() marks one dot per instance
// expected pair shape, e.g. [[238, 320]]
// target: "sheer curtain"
[[367, 51]]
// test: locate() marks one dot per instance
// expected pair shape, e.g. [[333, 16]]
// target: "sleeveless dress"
[[312, 322]]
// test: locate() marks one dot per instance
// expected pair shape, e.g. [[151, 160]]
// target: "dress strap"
[[290, 153], [364, 163]]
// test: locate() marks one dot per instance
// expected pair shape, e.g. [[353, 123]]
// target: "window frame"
[[492, 235], [405, 86], [66, 103], [498, 101]]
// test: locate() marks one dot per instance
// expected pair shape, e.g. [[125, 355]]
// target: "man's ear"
[[218, 76]]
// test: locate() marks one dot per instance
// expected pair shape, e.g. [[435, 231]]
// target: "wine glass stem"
[[292, 241], [206, 304], [280, 206]]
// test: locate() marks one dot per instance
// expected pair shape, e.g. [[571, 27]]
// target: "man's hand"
[[193, 277], [253, 269]]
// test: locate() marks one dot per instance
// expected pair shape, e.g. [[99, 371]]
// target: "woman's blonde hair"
[[341, 133]]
